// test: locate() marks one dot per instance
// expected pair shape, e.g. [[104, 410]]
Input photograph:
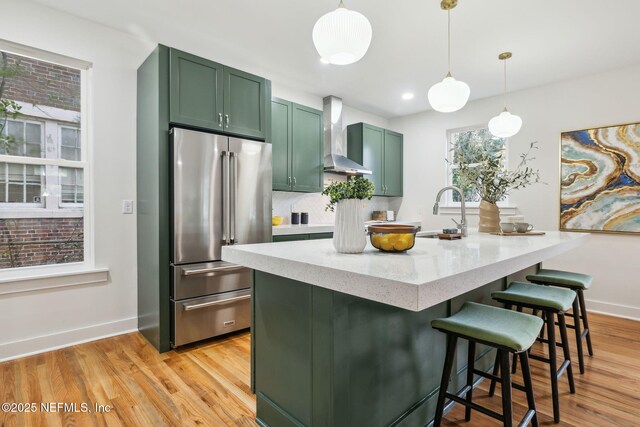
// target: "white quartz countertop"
[[432, 272]]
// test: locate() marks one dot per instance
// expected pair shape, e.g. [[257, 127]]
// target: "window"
[[69, 143], [71, 185], [470, 144], [43, 159]]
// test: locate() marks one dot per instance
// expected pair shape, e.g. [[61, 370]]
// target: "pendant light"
[[505, 124], [450, 94], [342, 37]]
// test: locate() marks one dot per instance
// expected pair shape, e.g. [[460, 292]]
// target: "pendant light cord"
[[449, 43], [505, 85]]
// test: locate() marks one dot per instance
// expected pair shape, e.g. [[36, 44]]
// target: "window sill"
[[28, 281], [475, 210]]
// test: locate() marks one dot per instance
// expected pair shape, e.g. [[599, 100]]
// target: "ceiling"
[[550, 40]]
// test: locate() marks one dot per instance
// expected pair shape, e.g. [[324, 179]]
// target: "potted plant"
[[345, 198], [490, 179]]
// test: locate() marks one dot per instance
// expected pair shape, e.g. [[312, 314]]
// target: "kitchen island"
[[345, 340]]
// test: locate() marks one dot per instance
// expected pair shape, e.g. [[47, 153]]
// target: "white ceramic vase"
[[349, 236]]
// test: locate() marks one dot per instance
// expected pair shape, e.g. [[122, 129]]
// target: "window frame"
[[7, 205], [450, 166], [85, 163]]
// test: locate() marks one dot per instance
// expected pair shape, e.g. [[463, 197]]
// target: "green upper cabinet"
[[380, 151], [244, 103], [209, 95], [281, 136], [307, 157], [296, 136], [195, 91], [392, 163]]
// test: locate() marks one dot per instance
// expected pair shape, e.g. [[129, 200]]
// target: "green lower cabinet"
[[380, 151], [296, 136], [317, 236], [295, 237], [324, 358]]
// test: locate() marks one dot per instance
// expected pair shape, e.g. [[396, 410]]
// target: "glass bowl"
[[392, 237]]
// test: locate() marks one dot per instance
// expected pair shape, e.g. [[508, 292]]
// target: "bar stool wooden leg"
[[585, 321], [507, 404], [565, 349], [576, 321], [496, 371], [471, 363], [446, 374], [553, 368], [528, 384]]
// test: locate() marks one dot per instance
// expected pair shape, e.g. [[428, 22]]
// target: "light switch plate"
[[127, 206]]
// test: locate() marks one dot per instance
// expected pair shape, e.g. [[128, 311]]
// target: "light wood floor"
[[208, 384]]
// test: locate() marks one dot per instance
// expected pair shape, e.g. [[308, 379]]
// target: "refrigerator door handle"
[[233, 206], [225, 198]]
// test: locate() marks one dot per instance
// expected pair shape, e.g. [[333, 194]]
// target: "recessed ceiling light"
[[408, 96], [325, 61]]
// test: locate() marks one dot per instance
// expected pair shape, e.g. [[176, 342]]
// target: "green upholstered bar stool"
[[509, 332], [554, 303], [576, 282]]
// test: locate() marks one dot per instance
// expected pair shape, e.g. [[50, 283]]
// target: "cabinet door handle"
[[220, 119], [226, 120], [294, 181], [289, 181], [209, 304]]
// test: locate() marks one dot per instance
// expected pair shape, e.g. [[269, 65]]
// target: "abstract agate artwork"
[[600, 179]]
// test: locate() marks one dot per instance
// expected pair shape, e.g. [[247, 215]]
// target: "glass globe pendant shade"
[[449, 95], [342, 37], [505, 125]]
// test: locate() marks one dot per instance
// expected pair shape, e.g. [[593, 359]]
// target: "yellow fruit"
[[404, 242], [375, 239], [393, 238], [385, 244]]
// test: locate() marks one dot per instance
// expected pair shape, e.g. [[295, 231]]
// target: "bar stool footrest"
[[526, 420], [475, 406]]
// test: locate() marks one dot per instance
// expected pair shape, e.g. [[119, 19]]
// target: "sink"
[[427, 234]]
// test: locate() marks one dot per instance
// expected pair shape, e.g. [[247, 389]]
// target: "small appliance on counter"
[[379, 215]]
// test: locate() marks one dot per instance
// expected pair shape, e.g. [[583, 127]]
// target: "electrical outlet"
[[127, 206]]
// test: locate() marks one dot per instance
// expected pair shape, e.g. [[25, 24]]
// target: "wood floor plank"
[[208, 384]]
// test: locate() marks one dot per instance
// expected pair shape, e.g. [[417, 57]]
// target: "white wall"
[[39, 320], [604, 99]]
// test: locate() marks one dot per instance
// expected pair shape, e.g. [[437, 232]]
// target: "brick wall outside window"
[[40, 241], [43, 83]]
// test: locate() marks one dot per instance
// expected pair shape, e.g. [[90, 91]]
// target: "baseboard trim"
[[615, 310], [36, 345]]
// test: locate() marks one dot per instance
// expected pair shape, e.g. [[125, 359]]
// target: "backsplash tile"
[[285, 202]]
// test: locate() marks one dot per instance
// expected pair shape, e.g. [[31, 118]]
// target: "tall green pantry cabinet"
[[177, 88]]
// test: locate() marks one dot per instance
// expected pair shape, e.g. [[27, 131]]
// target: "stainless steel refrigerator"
[[221, 195]]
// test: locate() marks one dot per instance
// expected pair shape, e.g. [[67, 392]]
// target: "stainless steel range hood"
[[335, 148]]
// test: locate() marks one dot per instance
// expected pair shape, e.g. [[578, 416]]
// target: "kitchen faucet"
[[462, 225]]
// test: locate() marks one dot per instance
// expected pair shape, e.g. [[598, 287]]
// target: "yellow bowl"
[[392, 237], [276, 220]]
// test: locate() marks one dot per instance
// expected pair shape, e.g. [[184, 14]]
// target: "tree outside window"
[[470, 145]]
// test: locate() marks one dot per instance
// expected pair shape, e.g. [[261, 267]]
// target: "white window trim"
[[40, 276], [472, 208]]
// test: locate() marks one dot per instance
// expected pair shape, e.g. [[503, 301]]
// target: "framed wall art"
[[600, 179]]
